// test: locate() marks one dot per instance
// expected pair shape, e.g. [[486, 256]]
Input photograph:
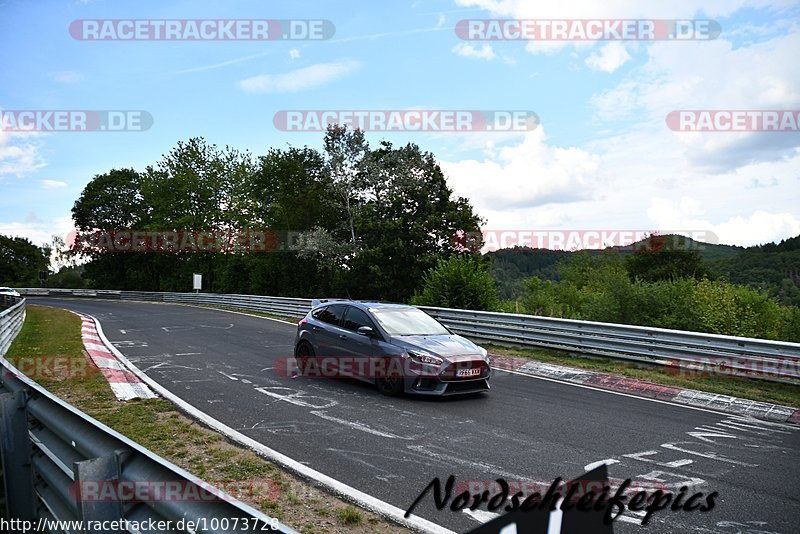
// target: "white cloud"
[[609, 58], [67, 76], [19, 153], [40, 232], [37, 231], [53, 184], [614, 9], [635, 181], [712, 75], [300, 79], [516, 179], [757, 227], [485, 51]]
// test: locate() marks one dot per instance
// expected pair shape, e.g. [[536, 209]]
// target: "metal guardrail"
[[54, 457], [12, 315], [759, 358]]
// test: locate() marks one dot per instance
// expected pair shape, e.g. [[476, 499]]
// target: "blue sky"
[[602, 158]]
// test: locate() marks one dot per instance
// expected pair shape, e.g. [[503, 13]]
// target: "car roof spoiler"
[[320, 302], [317, 302]]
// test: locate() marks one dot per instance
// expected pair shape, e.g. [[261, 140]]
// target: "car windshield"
[[408, 322]]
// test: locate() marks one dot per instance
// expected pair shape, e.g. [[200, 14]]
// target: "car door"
[[327, 329], [359, 349]]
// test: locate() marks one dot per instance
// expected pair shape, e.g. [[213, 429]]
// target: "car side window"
[[331, 314], [357, 318]]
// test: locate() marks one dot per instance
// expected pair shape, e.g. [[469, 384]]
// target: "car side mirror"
[[366, 331]]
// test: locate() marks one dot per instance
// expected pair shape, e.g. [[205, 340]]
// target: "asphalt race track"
[[523, 429]]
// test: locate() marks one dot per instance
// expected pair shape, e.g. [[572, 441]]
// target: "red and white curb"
[[124, 384], [647, 390]]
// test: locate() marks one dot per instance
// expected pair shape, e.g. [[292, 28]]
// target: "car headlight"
[[424, 358]]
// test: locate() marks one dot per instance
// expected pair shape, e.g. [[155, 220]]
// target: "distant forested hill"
[[511, 266], [774, 268]]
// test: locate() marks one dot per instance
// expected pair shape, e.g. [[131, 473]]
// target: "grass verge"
[[747, 388], [50, 345]]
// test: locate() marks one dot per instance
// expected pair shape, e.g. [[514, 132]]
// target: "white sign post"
[[198, 282]]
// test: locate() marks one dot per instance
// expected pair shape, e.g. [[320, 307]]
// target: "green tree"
[[292, 193], [346, 158], [113, 201], [663, 258], [462, 281], [408, 221], [110, 201], [21, 261]]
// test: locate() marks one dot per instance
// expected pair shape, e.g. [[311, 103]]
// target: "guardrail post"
[[94, 506], [16, 450]]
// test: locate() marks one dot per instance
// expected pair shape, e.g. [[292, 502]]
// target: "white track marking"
[[297, 398], [478, 466], [129, 344], [228, 376], [156, 366], [481, 516], [626, 519], [169, 329], [355, 425], [743, 425], [683, 479], [640, 456], [710, 454], [704, 433], [598, 463]]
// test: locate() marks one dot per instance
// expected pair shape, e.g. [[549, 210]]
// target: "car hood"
[[446, 345]]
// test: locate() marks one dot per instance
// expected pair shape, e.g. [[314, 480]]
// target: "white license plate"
[[468, 372]]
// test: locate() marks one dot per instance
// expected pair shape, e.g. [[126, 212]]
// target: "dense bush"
[[599, 289], [462, 281]]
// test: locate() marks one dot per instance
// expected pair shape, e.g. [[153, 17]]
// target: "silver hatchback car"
[[397, 347]]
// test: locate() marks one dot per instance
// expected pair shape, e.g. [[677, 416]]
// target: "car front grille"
[[450, 370]]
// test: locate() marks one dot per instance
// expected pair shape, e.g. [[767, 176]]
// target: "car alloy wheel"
[[303, 353], [390, 385]]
